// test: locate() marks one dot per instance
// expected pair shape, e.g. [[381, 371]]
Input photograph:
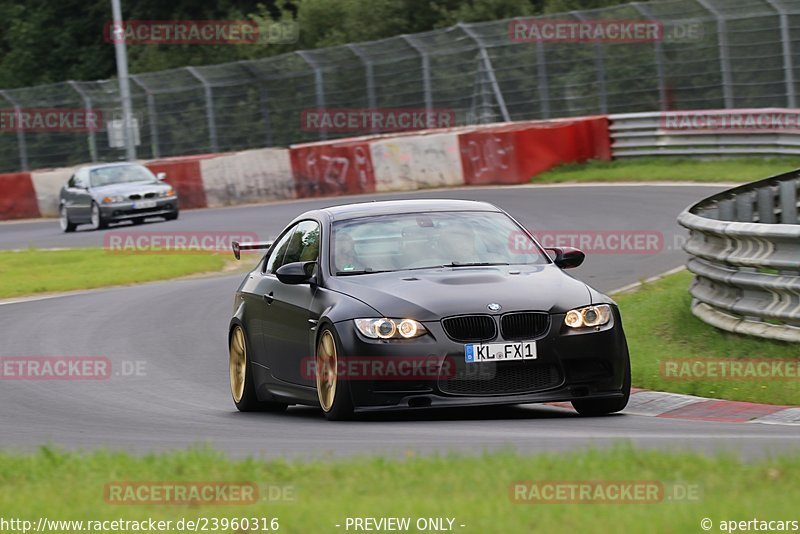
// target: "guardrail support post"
[[766, 205], [21, 145], [212, 123], [788, 202], [744, 207]]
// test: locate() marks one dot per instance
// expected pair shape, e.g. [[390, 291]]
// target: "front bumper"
[[123, 211], [569, 366]]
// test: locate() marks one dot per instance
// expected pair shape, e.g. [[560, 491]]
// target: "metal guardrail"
[[745, 254], [643, 134]]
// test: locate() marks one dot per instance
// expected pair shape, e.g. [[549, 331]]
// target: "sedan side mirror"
[[298, 272], [566, 257], [161, 176]]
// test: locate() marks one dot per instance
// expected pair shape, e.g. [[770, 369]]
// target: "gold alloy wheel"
[[238, 363], [325, 363]]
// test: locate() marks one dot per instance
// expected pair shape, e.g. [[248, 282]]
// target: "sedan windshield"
[[120, 174], [427, 240]]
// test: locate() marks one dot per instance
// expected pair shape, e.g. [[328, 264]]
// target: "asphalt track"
[[177, 331]]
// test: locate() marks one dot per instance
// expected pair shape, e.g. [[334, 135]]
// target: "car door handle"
[[269, 298]]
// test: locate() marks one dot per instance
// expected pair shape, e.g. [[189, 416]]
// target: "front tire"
[[171, 216], [63, 220], [243, 389], [594, 408], [97, 221], [334, 395]]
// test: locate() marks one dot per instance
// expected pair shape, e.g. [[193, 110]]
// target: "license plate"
[[144, 204], [500, 352]]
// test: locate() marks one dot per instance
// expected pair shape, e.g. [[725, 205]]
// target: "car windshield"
[[120, 174], [425, 240]]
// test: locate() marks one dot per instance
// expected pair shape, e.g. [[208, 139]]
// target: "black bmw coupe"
[[417, 304]]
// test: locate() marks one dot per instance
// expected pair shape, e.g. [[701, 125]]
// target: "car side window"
[[304, 245], [71, 182], [275, 259], [81, 179]]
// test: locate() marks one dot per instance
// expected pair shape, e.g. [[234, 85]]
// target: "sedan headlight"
[[113, 199], [384, 328], [168, 193], [588, 316]]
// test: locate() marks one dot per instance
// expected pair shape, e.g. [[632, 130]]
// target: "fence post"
[[658, 46], [21, 145], [786, 41], [263, 98], [600, 69], [426, 70], [87, 105], [319, 85], [369, 74], [212, 123], [152, 117], [724, 59], [487, 63]]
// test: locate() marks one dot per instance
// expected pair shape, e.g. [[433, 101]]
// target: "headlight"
[[113, 199], [168, 193], [588, 316], [384, 328]]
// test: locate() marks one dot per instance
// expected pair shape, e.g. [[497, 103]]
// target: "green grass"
[[659, 324], [654, 169], [472, 489], [34, 271]]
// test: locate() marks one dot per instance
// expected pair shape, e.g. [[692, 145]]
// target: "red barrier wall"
[[335, 168], [514, 153], [17, 197], [184, 175]]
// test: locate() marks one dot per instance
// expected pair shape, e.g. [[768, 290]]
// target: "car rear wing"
[[257, 245]]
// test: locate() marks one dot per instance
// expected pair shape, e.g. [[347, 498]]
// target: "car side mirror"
[[566, 257], [161, 176], [298, 272]]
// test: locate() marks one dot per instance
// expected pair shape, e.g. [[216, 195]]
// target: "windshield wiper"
[[474, 263], [360, 271]]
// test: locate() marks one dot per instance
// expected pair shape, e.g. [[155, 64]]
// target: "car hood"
[[428, 295], [130, 188]]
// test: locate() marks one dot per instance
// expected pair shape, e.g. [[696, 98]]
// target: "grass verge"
[[473, 490], [659, 325], [669, 169], [32, 271]]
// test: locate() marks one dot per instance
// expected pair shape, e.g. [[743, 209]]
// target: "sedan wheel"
[[97, 219], [243, 388], [334, 397], [63, 220]]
